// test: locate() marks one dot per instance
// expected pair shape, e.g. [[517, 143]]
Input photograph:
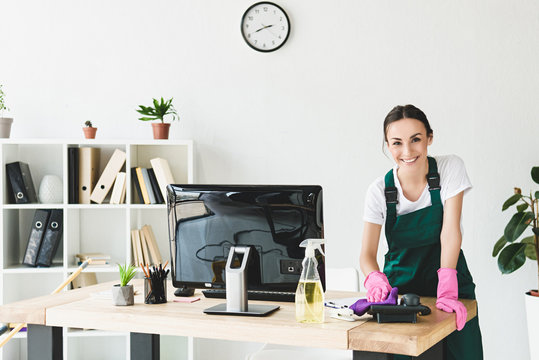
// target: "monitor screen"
[[206, 220]]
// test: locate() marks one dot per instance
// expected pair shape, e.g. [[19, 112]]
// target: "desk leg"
[[434, 353], [144, 346], [45, 342]]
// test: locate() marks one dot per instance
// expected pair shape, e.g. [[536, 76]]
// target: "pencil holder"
[[155, 290]]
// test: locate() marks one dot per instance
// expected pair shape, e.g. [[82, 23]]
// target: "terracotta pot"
[[89, 132], [5, 127], [160, 130]]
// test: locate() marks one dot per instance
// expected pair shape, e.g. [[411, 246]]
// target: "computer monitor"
[[206, 220]]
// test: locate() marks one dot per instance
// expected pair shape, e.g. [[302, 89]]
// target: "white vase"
[[5, 127], [50, 190], [532, 317]]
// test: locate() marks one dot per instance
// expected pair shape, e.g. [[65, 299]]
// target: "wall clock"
[[265, 26]]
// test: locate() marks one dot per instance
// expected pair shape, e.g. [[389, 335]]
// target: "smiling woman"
[[420, 203]]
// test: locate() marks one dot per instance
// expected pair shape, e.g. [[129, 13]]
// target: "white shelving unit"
[[87, 228]]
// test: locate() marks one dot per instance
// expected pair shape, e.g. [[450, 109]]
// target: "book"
[[136, 186], [51, 238], [20, 183], [118, 189], [39, 224], [152, 244], [145, 251], [148, 185], [145, 196], [104, 184], [88, 172], [163, 174], [155, 187], [73, 174], [135, 258]]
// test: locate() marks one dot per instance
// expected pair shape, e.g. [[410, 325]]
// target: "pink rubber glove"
[[377, 286], [448, 293]]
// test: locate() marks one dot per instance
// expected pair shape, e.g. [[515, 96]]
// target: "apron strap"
[[433, 179]]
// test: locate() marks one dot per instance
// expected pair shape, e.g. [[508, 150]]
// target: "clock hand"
[[264, 27]]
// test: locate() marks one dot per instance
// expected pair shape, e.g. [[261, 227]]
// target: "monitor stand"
[[236, 289]]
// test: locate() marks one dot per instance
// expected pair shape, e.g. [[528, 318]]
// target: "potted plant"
[[89, 130], [5, 122], [122, 293], [512, 254], [159, 110]]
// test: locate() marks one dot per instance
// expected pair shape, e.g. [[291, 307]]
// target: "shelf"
[[23, 269], [33, 206], [72, 332], [96, 269]]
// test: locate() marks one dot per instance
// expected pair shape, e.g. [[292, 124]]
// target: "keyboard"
[[285, 296]]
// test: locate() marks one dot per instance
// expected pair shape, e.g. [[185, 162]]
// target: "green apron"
[[413, 259]]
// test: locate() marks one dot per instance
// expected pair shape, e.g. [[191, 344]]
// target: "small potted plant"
[[5, 122], [122, 293], [89, 130], [513, 254], [158, 112]]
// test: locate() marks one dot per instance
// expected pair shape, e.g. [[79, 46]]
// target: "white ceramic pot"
[[532, 317], [5, 127], [50, 190], [123, 295]]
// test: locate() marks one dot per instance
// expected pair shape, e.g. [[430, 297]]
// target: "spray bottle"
[[309, 294]]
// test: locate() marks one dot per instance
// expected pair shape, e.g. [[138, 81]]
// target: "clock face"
[[265, 26]]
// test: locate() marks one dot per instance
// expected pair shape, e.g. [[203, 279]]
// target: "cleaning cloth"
[[361, 306]]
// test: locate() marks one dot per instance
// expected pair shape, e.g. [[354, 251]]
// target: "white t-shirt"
[[453, 180]]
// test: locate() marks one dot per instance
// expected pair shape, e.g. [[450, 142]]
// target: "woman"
[[420, 203]]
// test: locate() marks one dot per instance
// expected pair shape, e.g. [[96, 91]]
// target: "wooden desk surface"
[[76, 308]]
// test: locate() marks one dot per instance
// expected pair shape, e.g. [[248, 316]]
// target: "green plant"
[[2, 102], [88, 123], [158, 111], [511, 254], [127, 272]]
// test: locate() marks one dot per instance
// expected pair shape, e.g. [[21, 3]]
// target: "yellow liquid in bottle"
[[310, 302]]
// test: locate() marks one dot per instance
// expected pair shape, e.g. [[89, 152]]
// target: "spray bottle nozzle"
[[311, 244]]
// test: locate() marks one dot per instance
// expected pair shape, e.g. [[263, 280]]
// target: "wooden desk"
[[77, 308]]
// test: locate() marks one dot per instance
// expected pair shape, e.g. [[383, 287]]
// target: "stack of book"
[[85, 183], [144, 246], [98, 259], [150, 184]]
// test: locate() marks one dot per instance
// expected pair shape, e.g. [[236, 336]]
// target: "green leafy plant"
[[512, 254], [2, 102], [127, 272], [88, 123], [159, 110]]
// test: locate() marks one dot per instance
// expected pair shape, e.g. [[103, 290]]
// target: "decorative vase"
[[89, 132], [160, 130], [50, 190], [123, 295], [5, 127], [532, 314]]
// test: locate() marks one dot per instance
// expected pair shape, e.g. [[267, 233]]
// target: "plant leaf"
[[511, 201], [529, 251], [535, 174], [522, 207], [498, 246], [511, 258], [517, 225], [537, 195]]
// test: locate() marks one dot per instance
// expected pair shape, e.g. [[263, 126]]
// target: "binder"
[[119, 187], [104, 184], [51, 238], [39, 224], [20, 183], [88, 172], [155, 187], [148, 185], [136, 185], [163, 174], [73, 174], [145, 197]]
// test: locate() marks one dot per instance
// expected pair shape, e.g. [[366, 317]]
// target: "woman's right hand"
[[377, 286]]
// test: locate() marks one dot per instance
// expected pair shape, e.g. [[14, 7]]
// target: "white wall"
[[311, 112]]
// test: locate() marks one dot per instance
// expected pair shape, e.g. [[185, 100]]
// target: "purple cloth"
[[361, 306]]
